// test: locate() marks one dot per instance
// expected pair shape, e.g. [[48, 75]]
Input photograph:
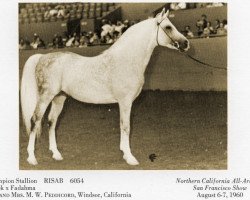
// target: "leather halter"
[[176, 44]]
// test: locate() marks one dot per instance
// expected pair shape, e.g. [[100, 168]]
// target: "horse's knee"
[[125, 126], [125, 129]]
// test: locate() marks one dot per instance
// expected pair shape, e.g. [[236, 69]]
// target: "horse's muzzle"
[[184, 45]]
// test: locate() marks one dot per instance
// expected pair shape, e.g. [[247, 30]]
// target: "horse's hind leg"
[[56, 108], [125, 110], [31, 148], [42, 104]]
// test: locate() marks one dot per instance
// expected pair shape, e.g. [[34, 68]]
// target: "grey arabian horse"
[[115, 76]]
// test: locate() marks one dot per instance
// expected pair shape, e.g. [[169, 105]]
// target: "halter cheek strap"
[[176, 44], [158, 24]]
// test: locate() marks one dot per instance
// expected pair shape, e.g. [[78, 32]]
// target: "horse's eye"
[[168, 27]]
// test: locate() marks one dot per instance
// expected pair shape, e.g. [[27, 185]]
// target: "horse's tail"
[[29, 90]]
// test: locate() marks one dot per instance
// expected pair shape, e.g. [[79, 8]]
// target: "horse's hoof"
[[32, 161], [57, 156], [131, 160]]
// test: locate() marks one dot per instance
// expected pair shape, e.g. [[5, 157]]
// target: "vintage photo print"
[[124, 100], [135, 77]]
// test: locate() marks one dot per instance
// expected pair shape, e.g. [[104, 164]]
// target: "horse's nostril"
[[185, 44], [176, 44]]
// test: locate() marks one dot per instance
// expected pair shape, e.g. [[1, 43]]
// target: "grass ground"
[[186, 131]]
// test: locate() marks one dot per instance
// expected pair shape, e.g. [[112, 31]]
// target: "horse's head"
[[167, 35]]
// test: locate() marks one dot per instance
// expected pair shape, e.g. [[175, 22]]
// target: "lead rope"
[[203, 63]]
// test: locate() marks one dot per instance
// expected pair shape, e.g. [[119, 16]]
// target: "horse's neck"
[[136, 45]]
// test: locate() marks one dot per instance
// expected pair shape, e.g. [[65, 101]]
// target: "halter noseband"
[[176, 44]]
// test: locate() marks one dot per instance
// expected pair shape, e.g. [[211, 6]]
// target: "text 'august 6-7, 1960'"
[[217, 188]]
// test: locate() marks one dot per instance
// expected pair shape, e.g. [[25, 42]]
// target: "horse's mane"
[[130, 35]]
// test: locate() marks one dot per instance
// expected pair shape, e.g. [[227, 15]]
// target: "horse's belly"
[[93, 97], [90, 93]]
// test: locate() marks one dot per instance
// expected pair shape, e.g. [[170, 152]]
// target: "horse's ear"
[[160, 15], [163, 11], [167, 13]]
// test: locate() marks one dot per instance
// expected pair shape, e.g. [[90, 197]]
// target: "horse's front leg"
[[125, 110]]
